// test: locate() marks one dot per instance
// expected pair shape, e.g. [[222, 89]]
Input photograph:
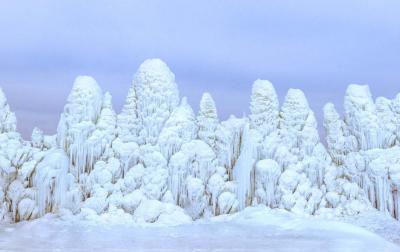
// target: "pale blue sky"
[[216, 46]]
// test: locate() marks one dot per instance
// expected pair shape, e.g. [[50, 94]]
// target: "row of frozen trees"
[[158, 160]]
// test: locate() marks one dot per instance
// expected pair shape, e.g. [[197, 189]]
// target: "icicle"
[[243, 172]]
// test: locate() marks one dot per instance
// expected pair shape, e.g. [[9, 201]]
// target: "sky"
[[219, 47]]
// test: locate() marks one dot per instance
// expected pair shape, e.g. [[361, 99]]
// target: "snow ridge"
[[157, 161]]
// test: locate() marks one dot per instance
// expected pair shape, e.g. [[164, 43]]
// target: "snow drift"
[[159, 161]]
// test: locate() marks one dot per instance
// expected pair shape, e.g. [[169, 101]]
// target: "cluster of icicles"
[[159, 161]]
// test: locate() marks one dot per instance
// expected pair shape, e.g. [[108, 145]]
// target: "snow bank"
[[254, 229]]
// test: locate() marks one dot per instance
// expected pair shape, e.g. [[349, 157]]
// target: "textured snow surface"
[[254, 229], [158, 161]]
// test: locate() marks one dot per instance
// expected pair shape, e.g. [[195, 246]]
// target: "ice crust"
[[159, 161]]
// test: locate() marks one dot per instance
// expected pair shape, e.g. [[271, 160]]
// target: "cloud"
[[215, 46]]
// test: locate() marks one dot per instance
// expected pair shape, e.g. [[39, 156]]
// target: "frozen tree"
[[37, 138], [77, 124], [339, 141], [264, 107], [128, 120], [8, 121], [207, 120], [13, 155], [387, 121], [157, 97], [361, 117], [371, 165], [106, 123], [295, 111], [178, 129], [396, 113], [301, 182]]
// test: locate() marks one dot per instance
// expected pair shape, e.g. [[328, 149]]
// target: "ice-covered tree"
[[301, 182], [338, 139], [14, 154], [128, 120], [180, 128], [37, 138], [361, 117], [370, 165], [396, 113], [8, 121], [157, 97], [78, 122], [105, 128], [387, 121], [264, 107], [207, 120]]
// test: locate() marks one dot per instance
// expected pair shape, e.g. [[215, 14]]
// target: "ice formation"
[[7, 118], [157, 97], [365, 146], [159, 161]]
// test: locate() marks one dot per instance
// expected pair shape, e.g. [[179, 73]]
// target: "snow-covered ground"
[[254, 229]]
